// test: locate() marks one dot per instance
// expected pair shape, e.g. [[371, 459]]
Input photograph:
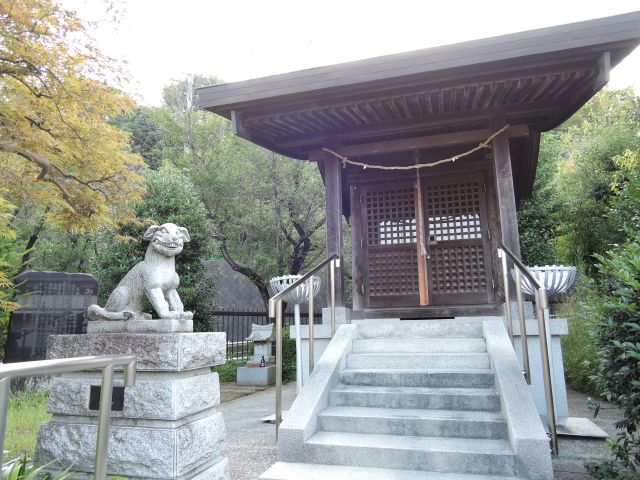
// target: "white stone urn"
[[298, 295], [556, 279]]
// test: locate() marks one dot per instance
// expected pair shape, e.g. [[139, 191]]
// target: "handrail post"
[[332, 281], [541, 304], [523, 325], [104, 418], [275, 310], [507, 295], [5, 388], [311, 326]]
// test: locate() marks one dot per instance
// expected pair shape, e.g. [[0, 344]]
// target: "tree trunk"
[[31, 243], [251, 274]]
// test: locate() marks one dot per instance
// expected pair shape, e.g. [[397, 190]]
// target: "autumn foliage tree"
[[58, 147]]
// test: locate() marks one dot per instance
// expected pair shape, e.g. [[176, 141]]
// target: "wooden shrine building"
[[424, 239]]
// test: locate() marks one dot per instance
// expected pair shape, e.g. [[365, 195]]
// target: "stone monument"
[[260, 369], [51, 303], [168, 425]]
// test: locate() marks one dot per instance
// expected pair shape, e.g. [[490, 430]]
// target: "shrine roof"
[[537, 78]]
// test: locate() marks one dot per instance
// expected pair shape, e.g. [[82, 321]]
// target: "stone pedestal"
[[256, 376], [165, 427]]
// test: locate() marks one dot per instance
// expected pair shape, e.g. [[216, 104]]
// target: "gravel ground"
[[575, 452], [252, 450]]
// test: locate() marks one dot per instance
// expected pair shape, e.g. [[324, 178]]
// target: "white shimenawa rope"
[[480, 146]]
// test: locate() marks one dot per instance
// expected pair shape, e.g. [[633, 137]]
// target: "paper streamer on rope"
[[480, 146]]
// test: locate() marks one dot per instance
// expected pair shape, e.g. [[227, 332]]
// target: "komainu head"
[[167, 239]]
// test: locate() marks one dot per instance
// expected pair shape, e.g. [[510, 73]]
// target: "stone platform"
[[258, 376], [167, 426], [140, 326]]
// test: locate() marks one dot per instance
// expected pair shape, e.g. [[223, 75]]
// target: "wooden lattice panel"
[[458, 269], [391, 216], [393, 272], [454, 211]]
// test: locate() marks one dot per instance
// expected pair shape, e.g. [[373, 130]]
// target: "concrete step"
[[480, 399], [421, 329], [419, 345], [414, 422], [314, 471], [453, 455], [419, 361], [418, 378]]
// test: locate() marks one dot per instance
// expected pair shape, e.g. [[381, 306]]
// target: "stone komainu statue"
[[154, 278]]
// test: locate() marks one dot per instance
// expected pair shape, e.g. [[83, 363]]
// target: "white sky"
[[164, 40]]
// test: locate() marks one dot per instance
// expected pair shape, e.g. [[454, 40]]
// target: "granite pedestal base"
[[259, 376], [167, 426]]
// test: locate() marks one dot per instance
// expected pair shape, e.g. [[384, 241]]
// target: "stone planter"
[[556, 279]]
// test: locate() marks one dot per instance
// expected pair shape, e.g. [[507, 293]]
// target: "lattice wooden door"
[[459, 264], [390, 265]]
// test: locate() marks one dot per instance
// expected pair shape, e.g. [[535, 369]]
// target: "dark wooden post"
[[333, 189], [504, 190]]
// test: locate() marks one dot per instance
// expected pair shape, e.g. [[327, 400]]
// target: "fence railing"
[[276, 313], [106, 363], [237, 325], [512, 267]]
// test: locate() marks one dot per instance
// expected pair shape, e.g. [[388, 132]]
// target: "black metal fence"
[[237, 326]]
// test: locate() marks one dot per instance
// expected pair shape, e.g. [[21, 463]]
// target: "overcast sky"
[[164, 40]]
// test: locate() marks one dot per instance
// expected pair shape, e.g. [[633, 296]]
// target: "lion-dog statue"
[[154, 278]]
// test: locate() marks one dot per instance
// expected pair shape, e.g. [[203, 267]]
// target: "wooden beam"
[[579, 98], [505, 193], [333, 189], [444, 120], [241, 130], [419, 143]]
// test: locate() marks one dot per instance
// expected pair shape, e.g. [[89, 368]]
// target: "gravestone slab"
[[52, 303]]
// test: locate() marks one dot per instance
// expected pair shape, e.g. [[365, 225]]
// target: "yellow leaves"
[[57, 146], [5, 234]]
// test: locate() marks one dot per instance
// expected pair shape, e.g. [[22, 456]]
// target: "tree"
[[567, 219], [267, 210], [603, 129], [57, 147], [8, 259], [170, 197], [537, 216]]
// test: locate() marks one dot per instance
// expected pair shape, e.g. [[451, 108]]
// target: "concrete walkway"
[[252, 449], [251, 444]]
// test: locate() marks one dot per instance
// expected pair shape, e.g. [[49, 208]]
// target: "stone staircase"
[[414, 401]]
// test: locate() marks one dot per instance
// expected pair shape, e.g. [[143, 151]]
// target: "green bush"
[[228, 371], [578, 352], [288, 355], [616, 316]]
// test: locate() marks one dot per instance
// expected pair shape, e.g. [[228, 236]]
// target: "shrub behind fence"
[[237, 326]]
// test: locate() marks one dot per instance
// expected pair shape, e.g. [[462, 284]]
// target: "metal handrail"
[[542, 316], [106, 363], [275, 312]]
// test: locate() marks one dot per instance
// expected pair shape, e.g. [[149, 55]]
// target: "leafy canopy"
[[267, 210], [57, 147]]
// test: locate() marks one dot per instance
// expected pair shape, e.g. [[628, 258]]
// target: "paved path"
[[251, 444]]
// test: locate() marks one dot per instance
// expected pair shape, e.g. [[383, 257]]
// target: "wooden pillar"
[[357, 240], [333, 189], [505, 193]]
